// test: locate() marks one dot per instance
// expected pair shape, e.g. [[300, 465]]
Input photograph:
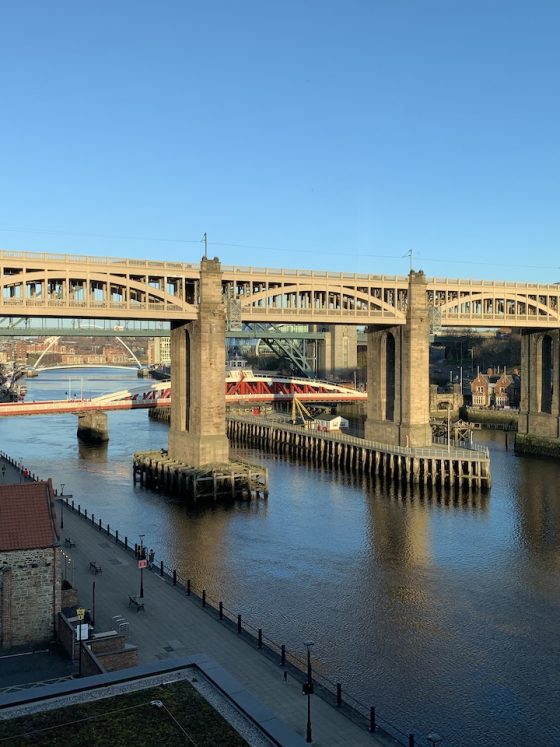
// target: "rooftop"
[[27, 516]]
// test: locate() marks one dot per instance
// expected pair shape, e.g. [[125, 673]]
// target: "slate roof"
[[27, 516]]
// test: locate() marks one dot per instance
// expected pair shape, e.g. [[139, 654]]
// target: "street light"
[[141, 563], [308, 690]]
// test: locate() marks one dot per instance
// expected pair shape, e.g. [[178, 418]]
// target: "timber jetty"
[[234, 479], [434, 465]]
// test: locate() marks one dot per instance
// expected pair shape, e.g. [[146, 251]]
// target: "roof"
[[27, 516]]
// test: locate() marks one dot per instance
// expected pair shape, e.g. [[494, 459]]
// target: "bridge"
[[80, 286], [203, 301], [241, 387]]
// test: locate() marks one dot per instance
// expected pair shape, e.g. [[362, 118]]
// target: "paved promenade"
[[175, 625]]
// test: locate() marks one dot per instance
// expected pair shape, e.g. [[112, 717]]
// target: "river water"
[[443, 613]]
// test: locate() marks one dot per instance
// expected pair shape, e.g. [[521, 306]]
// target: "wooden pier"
[[435, 465], [235, 479]]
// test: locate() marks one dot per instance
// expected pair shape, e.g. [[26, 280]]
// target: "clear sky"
[[321, 134]]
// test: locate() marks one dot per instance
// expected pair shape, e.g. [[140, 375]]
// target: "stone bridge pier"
[[398, 407], [539, 410], [197, 434]]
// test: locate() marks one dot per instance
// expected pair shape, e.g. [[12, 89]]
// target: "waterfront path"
[[175, 625]]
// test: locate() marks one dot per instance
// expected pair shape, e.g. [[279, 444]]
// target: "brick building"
[[30, 579], [496, 390]]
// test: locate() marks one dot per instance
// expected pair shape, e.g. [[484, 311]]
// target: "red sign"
[[142, 564]]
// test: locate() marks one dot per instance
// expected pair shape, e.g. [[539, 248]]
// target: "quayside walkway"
[[174, 624]]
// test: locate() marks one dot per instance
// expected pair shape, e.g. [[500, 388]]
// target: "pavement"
[[174, 625]]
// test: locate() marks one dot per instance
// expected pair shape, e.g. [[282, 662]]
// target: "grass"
[[184, 718]]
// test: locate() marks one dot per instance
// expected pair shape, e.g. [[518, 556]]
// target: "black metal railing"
[[329, 690]]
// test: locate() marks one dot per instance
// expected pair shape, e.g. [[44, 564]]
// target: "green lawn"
[[184, 718]]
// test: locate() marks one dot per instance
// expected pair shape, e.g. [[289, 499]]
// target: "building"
[[30, 557], [496, 390], [159, 351], [330, 422]]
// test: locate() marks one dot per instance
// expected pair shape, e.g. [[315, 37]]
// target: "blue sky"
[[302, 133]]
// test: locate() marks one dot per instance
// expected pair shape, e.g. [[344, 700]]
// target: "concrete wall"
[[535, 377]]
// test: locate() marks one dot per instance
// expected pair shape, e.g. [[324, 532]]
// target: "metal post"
[[141, 568], [204, 597], [372, 724], [260, 638], [93, 604], [239, 623], [188, 587], [411, 740], [62, 513], [221, 610], [283, 655], [174, 577], [161, 568], [308, 690], [338, 694]]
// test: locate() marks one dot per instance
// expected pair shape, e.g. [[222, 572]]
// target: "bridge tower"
[[398, 409], [197, 434], [539, 410]]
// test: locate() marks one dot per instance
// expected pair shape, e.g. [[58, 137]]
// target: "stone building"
[[30, 578]]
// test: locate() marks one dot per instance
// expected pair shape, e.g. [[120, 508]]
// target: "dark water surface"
[[442, 612]]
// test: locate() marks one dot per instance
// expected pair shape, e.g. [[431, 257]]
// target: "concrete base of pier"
[[232, 479], [93, 426], [526, 443]]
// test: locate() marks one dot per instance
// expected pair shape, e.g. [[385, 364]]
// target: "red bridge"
[[241, 386]]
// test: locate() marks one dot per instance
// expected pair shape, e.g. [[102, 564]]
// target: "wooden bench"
[[69, 542], [94, 568], [135, 602]]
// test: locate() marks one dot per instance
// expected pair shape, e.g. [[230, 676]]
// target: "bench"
[[69, 542], [135, 602], [94, 568]]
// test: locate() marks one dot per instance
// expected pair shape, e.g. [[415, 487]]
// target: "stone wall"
[[30, 595]]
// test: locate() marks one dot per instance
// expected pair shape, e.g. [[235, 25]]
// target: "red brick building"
[[30, 578]]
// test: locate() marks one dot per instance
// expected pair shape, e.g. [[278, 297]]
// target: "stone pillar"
[[539, 410], [197, 433], [338, 352], [93, 426], [398, 408]]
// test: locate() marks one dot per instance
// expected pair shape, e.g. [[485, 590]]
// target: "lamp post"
[[61, 505], [308, 690], [141, 565]]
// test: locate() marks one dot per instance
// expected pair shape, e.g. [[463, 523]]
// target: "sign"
[[82, 632], [80, 613], [142, 564]]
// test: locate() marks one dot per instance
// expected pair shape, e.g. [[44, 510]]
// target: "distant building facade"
[[30, 559], [159, 351], [496, 390]]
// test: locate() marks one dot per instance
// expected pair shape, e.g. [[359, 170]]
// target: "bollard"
[[174, 577], [221, 610], [188, 587], [283, 655], [99, 524], [161, 568], [125, 542], [108, 530], [85, 513], [72, 504], [372, 724], [411, 740], [136, 549], [239, 623], [117, 536], [338, 694], [93, 519], [204, 597], [260, 638]]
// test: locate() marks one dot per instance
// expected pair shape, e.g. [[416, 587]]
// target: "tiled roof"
[[27, 516]]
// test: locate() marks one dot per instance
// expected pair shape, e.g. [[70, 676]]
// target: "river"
[[442, 613]]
